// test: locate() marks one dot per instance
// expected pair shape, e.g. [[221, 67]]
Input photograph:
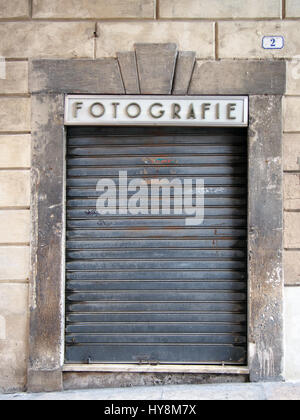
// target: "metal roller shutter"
[[148, 289]]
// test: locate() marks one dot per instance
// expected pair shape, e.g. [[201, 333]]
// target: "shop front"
[[157, 219]]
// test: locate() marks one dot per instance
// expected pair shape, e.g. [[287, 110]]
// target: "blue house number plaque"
[[273, 42]]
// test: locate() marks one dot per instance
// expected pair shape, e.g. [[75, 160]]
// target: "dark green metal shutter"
[[148, 288]]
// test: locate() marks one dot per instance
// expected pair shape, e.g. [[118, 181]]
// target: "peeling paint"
[[266, 362], [2, 328], [265, 240], [252, 350], [275, 277]]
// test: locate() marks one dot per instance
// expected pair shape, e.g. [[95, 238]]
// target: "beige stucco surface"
[[54, 29]]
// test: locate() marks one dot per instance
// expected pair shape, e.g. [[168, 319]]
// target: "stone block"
[[13, 336], [47, 39], [292, 8], [15, 151], [292, 230], [128, 67], [15, 114], [291, 152], [265, 221], [59, 76], [292, 268], [14, 226], [10, 9], [16, 78], [184, 70], [151, 380], [156, 66], [291, 114], [14, 263], [244, 39], [121, 36], [292, 192], [14, 188], [293, 76], [216, 9], [91, 9], [242, 77]]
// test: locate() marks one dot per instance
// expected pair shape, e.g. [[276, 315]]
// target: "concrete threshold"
[[260, 391]]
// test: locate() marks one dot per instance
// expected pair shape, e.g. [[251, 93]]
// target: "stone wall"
[[70, 29]]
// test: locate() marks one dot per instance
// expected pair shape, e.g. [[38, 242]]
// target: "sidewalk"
[[267, 391]]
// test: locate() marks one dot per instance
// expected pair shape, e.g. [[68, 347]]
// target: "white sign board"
[[273, 42], [157, 110]]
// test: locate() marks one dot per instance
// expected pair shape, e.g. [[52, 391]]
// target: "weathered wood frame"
[[171, 73]]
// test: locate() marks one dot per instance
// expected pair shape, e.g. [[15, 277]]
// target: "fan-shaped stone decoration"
[[156, 69]]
